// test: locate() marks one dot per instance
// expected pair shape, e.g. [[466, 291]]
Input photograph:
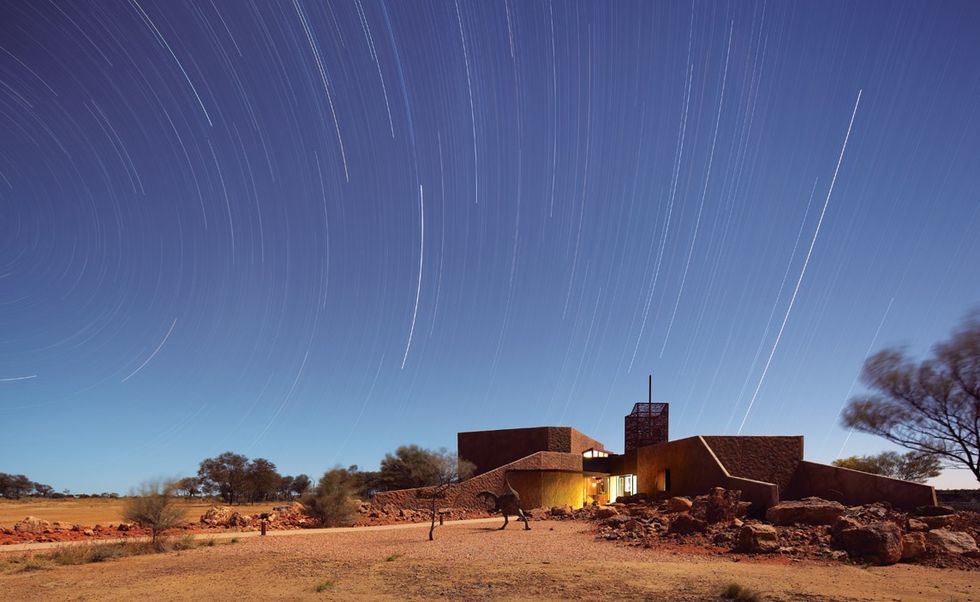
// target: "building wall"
[[545, 488], [491, 449], [463, 495], [853, 487], [769, 459], [694, 469]]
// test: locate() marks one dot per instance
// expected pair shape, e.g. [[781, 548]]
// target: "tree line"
[[15, 486], [236, 479]]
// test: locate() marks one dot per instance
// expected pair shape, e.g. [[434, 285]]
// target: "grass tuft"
[[323, 586], [392, 558], [740, 593]]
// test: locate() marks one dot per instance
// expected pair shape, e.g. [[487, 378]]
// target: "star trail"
[[313, 231]]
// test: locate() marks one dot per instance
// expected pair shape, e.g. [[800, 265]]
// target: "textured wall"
[[769, 459], [853, 487], [492, 449], [694, 470]]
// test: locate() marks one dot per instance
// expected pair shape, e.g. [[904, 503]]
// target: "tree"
[[188, 486], [332, 501], [410, 466], [43, 490], [300, 485], [262, 480], [225, 475], [931, 407], [15, 486], [154, 508], [910, 466], [451, 469]]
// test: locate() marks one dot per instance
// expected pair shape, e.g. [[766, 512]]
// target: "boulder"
[[914, 524], [809, 511], [558, 511], [934, 511], [913, 546], [685, 524], [952, 542], [31, 524], [678, 504], [757, 539], [879, 543], [937, 522], [606, 512], [719, 506], [843, 523]]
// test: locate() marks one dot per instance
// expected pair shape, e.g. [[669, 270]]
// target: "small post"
[[264, 522], [441, 514], [649, 388]]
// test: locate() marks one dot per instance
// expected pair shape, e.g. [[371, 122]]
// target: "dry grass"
[[87, 553], [92, 511]]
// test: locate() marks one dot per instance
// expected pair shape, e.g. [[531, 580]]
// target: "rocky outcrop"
[[808, 511]]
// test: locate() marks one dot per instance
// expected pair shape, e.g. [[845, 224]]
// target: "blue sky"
[[315, 231]]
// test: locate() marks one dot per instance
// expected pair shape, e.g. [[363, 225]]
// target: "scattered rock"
[[809, 511], [679, 504], [559, 511], [879, 543], [685, 524], [914, 524], [952, 542], [757, 539], [606, 512]]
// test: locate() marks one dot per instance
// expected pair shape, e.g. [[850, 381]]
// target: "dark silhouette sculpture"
[[508, 503]]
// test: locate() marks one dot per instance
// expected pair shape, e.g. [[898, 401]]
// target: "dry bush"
[[332, 501], [154, 508]]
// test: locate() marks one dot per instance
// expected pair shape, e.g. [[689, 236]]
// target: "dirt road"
[[554, 561]]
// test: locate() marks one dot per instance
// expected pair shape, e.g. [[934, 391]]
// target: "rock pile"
[[289, 516], [808, 528]]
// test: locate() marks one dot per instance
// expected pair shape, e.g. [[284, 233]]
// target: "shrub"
[[737, 592], [155, 508], [323, 586], [332, 502]]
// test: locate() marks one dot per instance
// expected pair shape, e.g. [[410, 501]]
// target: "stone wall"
[[768, 459], [853, 487], [463, 495]]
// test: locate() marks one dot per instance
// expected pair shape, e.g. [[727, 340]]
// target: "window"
[[595, 453]]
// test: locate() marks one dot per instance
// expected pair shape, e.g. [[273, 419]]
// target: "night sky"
[[313, 231]]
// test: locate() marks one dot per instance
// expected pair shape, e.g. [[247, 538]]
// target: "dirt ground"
[[92, 511], [553, 561]]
